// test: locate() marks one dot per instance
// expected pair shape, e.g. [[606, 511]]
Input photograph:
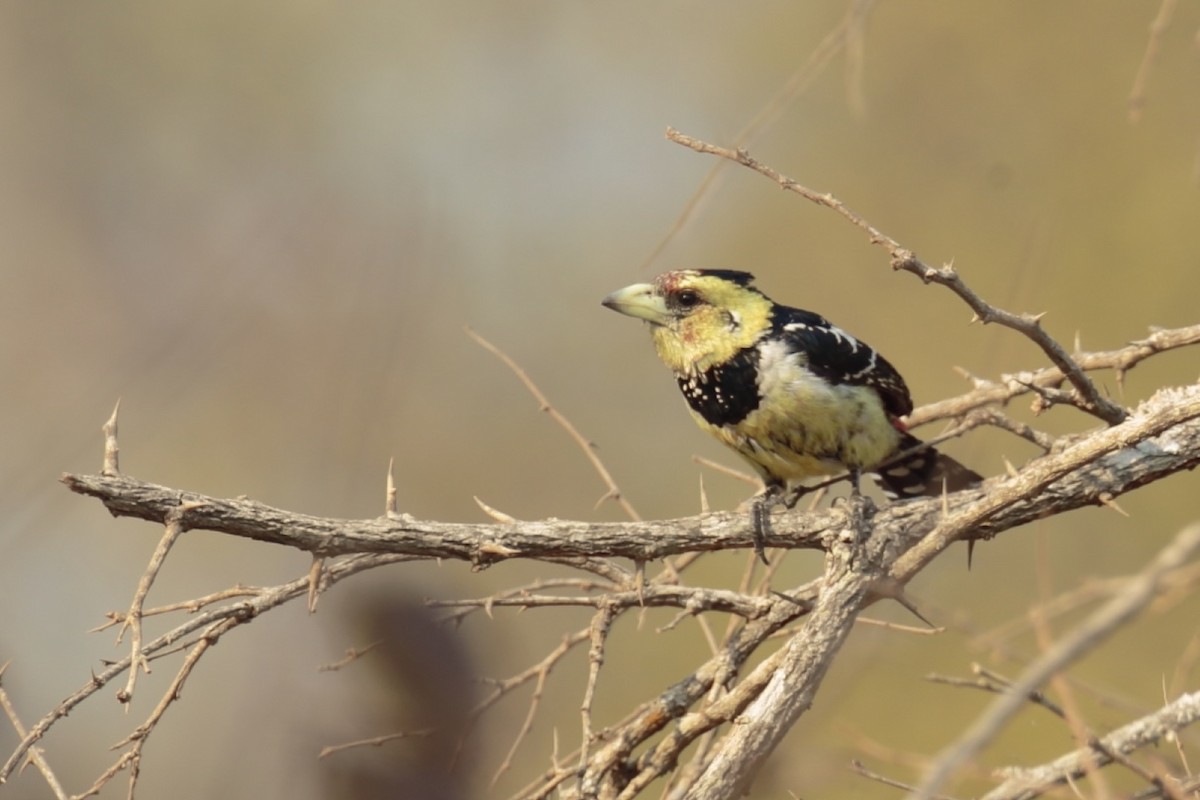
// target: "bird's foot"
[[760, 526], [859, 507]]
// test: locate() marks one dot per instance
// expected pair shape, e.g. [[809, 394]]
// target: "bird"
[[793, 394]]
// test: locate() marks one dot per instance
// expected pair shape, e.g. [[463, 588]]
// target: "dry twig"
[[586, 445], [132, 621], [35, 754], [846, 36], [1137, 95]]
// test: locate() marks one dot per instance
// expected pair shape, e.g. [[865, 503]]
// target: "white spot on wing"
[[869, 368], [842, 336], [832, 331]]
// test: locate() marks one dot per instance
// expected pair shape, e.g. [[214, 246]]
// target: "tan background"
[[264, 226]]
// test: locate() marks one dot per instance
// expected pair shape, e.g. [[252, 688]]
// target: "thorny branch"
[[1152, 443]]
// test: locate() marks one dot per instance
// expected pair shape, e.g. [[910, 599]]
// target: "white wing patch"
[[841, 338], [780, 367]]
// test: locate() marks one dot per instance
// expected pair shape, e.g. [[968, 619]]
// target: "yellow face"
[[698, 318]]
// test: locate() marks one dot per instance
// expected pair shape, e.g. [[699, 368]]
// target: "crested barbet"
[[796, 396]]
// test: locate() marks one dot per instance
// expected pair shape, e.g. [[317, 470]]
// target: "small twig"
[[723, 708], [1157, 780], [133, 619], [191, 606], [1046, 397], [375, 741], [602, 622], [538, 673], [35, 754], [352, 655], [858, 767], [1003, 680], [131, 758], [585, 444], [847, 31], [692, 599], [1137, 95], [998, 419]]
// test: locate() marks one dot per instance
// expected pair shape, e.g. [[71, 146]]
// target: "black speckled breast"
[[726, 394]]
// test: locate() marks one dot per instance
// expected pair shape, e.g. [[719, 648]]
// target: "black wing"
[[839, 358]]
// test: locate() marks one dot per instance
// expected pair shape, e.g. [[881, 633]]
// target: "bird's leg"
[[857, 500], [761, 518], [800, 490], [858, 505]]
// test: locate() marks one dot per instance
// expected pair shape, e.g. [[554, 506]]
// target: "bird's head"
[[699, 317]]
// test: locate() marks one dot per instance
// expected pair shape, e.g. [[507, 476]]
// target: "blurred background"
[[264, 227]]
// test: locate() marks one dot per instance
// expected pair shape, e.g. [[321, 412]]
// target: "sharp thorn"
[[1107, 501], [498, 516]]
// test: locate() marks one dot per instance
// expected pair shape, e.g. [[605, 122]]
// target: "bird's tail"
[[925, 473]]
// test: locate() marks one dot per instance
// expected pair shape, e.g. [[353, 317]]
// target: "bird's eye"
[[688, 298]]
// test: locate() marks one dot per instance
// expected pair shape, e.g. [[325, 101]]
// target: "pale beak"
[[639, 301]]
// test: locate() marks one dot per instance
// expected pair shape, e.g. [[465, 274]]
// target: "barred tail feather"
[[925, 473]]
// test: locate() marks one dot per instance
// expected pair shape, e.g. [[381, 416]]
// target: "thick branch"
[[794, 683], [1161, 437], [480, 543]]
